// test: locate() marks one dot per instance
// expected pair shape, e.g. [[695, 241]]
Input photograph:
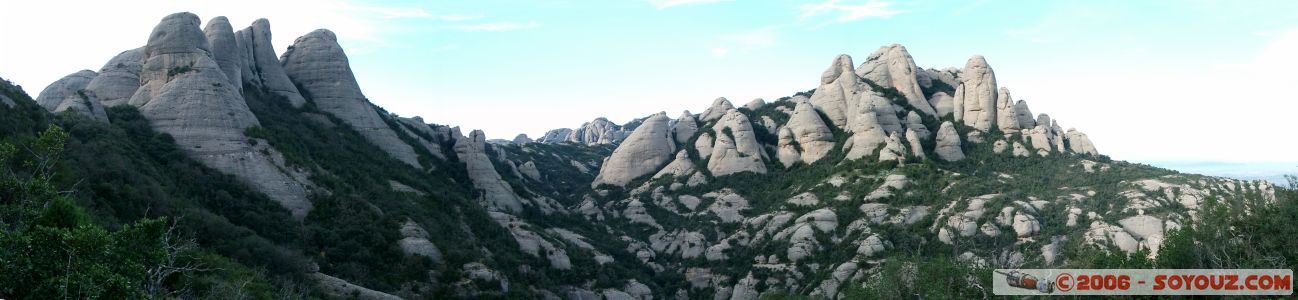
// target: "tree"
[[50, 249]]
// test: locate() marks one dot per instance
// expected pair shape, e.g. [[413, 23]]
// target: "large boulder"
[[975, 98], [186, 95], [1006, 116], [260, 67], [644, 152], [119, 78], [736, 148], [318, 65], [599, 131], [719, 108], [685, 127], [70, 94], [1079, 143], [225, 50], [1024, 115], [866, 132], [892, 66], [916, 147], [61, 89], [948, 143], [813, 136]]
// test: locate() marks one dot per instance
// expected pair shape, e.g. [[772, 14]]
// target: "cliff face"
[[809, 194]]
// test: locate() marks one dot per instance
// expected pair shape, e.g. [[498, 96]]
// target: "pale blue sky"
[[1147, 80]]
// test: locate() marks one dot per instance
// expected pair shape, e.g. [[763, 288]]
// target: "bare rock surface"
[[948, 143], [260, 66], [185, 94], [643, 153], [119, 78], [317, 63]]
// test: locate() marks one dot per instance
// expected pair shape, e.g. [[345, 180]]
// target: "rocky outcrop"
[[70, 94], [948, 143], [755, 104], [942, 103], [185, 94], [260, 67], [787, 151], [704, 145], [318, 65], [736, 148], [555, 136], [599, 131], [685, 127], [1006, 116], [414, 241], [866, 131], [521, 138], [839, 88], [914, 122], [975, 98], [892, 66], [1024, 115], [119, 78], [497, 195], [893, 148], [719, 108], [225, 50], [647, 149], [680, 167], [1079, 143], [335, 287], [916, 148], [64, 88], [813, 136]]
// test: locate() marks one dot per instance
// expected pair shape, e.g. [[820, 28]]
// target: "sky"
[[1187, 80]]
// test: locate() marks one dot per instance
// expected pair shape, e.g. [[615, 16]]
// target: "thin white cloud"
[[720, 52], [499, 26], [850, 12], [761, 38], [661, 4]]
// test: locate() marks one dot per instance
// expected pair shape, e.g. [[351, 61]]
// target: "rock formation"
[[975, 98], [647, 149], [119, 78], [916, 148], [942, 103], [813, 136], [1006, 115], [69, 85], [225, 50], [185, 94], [497, 195], [317, 63], [1079, 143], [892, 66], [685, 127], [839, 86], [719, 108], [948, 143], [736, 148], [260, 67], [755, 104], [1024, 115], [70, 94]]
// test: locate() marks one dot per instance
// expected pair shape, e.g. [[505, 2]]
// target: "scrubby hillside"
[[885, 181]]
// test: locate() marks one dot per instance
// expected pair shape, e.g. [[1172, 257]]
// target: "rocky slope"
[[810, 194]]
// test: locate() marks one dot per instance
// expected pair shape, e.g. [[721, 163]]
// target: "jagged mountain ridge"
[[846, 174]]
